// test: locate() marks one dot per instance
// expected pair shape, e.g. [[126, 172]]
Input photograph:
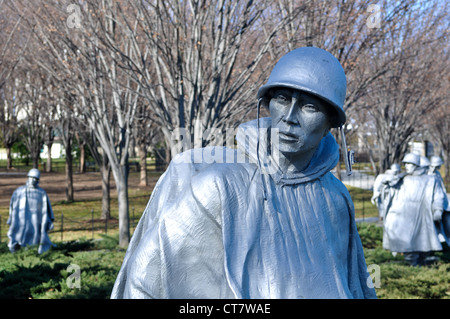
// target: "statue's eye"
[[311, 107], [282, 98]]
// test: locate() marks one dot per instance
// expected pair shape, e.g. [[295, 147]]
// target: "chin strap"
[[257, 149], [349, 155]]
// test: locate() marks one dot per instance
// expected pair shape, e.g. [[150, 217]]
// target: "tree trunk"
[[36, 161], [143, 164], [8, 158], [69, 172], [82, 158], [121, 179], [48, 167], [106, 197]]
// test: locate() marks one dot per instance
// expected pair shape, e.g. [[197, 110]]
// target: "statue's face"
[[301, 118], [410, 168], [435, 168], [32, 181]]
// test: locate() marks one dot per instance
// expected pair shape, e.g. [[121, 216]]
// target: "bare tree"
[[105, 98], [197, 62], [9, 128], [13, 44], [401, 100], [101, 160]]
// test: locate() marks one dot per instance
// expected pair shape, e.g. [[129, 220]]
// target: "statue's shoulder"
[[19, 190], [335, 182], [210, 172], [213, 161]]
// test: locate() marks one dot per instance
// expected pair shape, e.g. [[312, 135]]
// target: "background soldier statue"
[[443, 226], [277, 225], [417, 203], [381, 191], [30, 216]]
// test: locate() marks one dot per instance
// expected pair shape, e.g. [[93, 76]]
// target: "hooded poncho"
[[30, 218], [409, 224], [208, 232]]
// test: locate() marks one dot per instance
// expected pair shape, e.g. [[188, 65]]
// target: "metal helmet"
[[436, 161], [412, 158], [395, 168], [424, 162], [314, 71], [34, 172]]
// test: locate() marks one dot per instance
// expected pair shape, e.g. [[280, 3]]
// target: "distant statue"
[[444, 225], [381, 190], [424, 165], [30, 216], [417, 203], [266, 220], [435, 165]]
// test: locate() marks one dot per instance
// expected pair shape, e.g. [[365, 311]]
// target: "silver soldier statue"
[[417, 203], [381, 190], [275, 225], [30, 216], [443, 226]]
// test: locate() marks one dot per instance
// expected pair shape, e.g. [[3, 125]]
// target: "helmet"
[[436, 161], [424, 162], [314, 71], [34, 172], [395, 167], [412, 158]]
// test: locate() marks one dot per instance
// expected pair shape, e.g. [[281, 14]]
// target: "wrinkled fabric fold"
[[207, 231], [30, 219]]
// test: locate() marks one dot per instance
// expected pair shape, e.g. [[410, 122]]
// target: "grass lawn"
[[361, 201]]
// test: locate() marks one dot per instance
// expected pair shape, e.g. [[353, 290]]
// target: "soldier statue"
[[417, 203], [30, 216]]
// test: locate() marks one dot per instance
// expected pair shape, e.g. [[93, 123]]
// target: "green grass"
[[27, 275], [361, 200], [398, 280], [77, 218]]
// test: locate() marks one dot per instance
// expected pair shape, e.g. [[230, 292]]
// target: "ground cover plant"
[[398, 280], [27, 275]]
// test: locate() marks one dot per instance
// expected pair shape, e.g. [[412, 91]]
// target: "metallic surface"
[[30, 218], [417, 200], [312, 70], [436, 161], [412, 158], [34, 172], [207, 231], [382, 193]]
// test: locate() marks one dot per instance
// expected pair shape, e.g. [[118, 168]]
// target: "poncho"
[[30, 218], [409, 224], [208, 232]]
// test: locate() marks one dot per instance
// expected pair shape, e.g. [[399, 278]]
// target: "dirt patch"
[[86, 186]]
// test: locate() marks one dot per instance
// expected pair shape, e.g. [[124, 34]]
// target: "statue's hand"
[[437, 215], [373, 199]]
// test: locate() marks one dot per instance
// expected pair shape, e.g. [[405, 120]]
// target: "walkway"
[[358, 179]]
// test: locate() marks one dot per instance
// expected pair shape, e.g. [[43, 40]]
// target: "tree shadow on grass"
[[18, 284], [29, 275]]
